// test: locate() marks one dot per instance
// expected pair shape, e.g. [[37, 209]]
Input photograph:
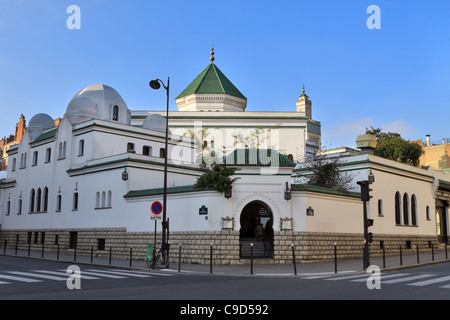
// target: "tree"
[[323, 171], [218, 178], [392, 146]]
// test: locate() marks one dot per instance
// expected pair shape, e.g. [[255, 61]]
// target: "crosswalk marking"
[[128, 274], [35, 275], [4, 276], [147, 272], [382, 277], [431, 281], [412, 278], [60, 273], [348, 277], [99, 274]]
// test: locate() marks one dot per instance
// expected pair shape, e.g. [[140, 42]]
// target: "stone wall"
[[316, 246], [196, 246]]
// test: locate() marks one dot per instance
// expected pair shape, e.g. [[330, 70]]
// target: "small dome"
[[81, 109], [155, 122], [98, 101], [39, 123]]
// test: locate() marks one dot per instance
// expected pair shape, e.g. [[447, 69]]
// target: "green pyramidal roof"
[[211, 80]]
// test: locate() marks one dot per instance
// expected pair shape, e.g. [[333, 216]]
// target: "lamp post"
[[155, 84]]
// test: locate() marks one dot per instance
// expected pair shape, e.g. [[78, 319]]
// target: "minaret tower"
[[304, 104]]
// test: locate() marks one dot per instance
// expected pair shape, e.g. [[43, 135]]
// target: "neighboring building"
[[12, 140], [436, 155], [91, 180]]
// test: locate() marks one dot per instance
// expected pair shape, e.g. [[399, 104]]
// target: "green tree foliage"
[[392, 146], [218, 178], [325, 173]]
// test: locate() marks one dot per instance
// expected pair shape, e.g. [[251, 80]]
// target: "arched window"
[[115, 113], [380, 207], [64, 150], [405, 209], [38, 200], [397, 208], [103, 199], [58, 203], [108, 201], [97, 200], [32, 195], [45, 199], [60, 151], [413, 210]]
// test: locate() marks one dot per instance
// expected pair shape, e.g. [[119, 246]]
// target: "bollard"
[[251, 258], [210, 258], [417, 249], [15, 249], [335, 258], [4, 247], [384, 256], [92, 254], [432, 252], [131, 256], [29, 248], [42, 253], [179, 257], [110, 253], [57, 252], [401, 257], [75, 254], [293, 259], [446, 255]]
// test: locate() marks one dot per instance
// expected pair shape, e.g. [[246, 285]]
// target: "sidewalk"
[[342, 266]]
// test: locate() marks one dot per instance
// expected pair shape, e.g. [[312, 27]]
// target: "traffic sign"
[[156, 207]]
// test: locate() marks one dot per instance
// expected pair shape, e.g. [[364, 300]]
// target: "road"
[[34, 279]]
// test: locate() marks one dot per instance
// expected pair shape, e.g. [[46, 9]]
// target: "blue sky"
[[396, 78]]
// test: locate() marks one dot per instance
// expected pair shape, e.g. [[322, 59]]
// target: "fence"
[[93, 256]]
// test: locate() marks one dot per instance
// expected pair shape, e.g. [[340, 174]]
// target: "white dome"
[[81, 109], [155, 122], [98, 101], [39, 123]]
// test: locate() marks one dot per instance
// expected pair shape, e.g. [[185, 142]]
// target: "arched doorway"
[[257, 228]]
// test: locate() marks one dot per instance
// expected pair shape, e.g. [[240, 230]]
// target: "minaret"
[[304, 104]]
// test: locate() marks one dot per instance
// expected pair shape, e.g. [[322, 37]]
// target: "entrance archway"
[[441, 221], [257, 228]]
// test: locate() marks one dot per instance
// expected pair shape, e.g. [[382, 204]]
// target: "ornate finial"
[[303, 90], [212, 54]]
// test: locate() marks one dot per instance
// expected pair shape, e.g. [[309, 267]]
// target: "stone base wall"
[[317, 246], [196, 245]]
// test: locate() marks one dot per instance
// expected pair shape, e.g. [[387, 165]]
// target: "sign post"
[[156, 208]]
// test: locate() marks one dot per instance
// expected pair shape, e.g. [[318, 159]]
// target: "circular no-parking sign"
[[156, 207]]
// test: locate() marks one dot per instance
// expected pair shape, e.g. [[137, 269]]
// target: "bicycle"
[[161, 259]]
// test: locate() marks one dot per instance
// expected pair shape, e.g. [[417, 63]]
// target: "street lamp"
[[156, 84]]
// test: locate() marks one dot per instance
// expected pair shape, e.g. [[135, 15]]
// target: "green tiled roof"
[[48, 134], [211, 80], [305, 187], [258, 158], [157, 191]]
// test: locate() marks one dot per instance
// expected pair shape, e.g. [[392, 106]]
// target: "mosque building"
[[91, 180]]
